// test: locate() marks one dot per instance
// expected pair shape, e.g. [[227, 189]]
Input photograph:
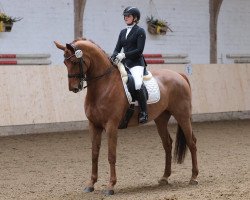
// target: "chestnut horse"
[[106, 104]]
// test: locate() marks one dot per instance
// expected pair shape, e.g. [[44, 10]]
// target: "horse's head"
[[76, 66], [85, 61]]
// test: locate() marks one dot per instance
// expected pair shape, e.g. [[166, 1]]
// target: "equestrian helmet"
[[132, 11]]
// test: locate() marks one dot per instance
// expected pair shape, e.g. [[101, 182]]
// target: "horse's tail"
[[180, 146]]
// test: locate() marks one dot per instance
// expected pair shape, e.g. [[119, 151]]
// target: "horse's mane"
[[85, 39]]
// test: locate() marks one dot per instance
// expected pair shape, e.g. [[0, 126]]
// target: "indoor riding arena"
[[57, 165], [53, 160], [45, 141]]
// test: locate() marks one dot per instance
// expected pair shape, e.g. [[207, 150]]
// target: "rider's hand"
[[120, 56]]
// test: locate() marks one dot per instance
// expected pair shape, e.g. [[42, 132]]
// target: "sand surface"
[[57, 165]]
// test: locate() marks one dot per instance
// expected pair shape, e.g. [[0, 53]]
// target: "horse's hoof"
[[193, 182], [163, 181], [89, 189], [109, 192]]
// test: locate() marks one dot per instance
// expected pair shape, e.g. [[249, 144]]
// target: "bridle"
[[78, 54], [81, 75]]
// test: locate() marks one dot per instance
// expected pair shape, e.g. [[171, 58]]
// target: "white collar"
[[130, 27]]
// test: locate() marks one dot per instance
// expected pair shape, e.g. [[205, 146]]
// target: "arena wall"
[[36, 99], [49, 20]]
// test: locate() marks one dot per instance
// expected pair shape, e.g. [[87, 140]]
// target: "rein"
[[108, 71]]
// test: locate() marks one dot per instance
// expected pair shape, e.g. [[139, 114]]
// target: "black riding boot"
[[142, 100]]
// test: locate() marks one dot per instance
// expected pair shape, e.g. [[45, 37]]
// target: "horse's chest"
[[96, 113]]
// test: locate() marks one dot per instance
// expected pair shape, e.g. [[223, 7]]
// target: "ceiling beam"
[[214, 8], [79, 6]]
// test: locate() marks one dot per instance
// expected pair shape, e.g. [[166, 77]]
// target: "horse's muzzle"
[[75, 90]]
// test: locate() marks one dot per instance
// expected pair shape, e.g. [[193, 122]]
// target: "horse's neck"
[[102, 75], [99, 66], [104, 90]]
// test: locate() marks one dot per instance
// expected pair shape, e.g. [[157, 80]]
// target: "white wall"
[[233, 29], [43, 22], [49, 20], [188, 19]]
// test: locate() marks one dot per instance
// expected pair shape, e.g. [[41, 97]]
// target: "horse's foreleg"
[[161, 123], [112, 143], [96, 136]]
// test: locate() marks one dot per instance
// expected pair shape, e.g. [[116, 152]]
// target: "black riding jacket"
[[133, 46]]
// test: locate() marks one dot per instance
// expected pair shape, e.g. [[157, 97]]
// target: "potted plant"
[[6, 22], [157, 26]]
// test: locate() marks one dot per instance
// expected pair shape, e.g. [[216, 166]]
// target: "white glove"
[[120, 56]]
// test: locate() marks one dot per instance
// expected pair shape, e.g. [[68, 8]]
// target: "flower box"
[[2, 28], [6, 22], [157, 27]]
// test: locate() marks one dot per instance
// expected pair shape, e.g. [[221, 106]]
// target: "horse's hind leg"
[[185, 130], [96, 136], [162, 123]]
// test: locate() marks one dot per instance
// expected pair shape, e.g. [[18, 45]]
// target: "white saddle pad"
[[152, 88]]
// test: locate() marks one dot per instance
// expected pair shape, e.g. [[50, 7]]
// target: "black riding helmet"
[[132, 11]]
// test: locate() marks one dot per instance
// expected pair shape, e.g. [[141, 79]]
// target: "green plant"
[[7, 19]]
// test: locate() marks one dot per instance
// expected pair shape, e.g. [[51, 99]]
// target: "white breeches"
[[137, 73]]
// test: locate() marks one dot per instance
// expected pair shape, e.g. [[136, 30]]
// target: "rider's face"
[[129, 19]]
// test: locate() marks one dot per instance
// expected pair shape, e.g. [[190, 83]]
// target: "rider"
[[132, 41]]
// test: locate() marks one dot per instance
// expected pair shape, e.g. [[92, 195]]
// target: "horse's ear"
[[70, 47], [59, 46]]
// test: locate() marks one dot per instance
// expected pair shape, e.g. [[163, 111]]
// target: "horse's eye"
[[74, 61]]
